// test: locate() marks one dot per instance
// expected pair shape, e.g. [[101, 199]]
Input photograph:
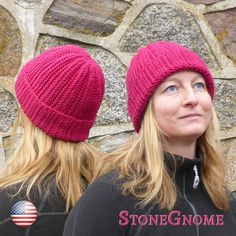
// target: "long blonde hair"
[[39, 159], [140, 163]]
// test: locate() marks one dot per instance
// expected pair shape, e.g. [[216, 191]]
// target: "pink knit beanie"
[[151, 66], [61, 91]]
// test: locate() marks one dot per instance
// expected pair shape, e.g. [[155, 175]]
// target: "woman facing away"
[[168, 180], [59, 92]]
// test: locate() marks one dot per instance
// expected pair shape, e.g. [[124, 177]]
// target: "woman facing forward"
[[59, 93], [169, 180]]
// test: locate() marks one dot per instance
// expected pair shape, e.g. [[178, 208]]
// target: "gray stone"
[[10, 44], [110, 142], [166, 22], [207, 2], [225, 103], [223, 25], [28, 1], [10, 144], [96, 17], [2, 155], [229, 147], [113, 110], [110, 129], [8, 110], [234, 192]]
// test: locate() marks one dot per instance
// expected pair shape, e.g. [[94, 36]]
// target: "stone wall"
[[112, 31]]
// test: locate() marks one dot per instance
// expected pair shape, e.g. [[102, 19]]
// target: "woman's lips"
[[190, 115]]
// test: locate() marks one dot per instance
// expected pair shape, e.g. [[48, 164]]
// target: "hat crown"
[[66, 82]]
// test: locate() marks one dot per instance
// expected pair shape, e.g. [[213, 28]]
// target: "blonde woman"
[[169, 180], [59, 92]]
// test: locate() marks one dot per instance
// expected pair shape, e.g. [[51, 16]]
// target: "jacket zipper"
[[196, 178], [190, 204]]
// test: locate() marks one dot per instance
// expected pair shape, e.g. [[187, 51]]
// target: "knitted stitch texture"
[[60, 91], [151, 66]]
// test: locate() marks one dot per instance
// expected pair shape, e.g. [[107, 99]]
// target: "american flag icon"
[[23, 213]]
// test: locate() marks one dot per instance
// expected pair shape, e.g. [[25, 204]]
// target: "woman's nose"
[[190, 97]]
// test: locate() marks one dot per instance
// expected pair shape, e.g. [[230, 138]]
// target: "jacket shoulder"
[[97, 211], [50, 211]]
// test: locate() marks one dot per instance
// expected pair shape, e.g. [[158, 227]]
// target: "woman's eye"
[[172, 88], [199, 85]]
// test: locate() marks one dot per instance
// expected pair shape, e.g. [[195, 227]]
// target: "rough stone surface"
[[97, 17], [225, 103], [113, 109], [8, 83], [224, 27], [110, 142], [229, 147], [27, 1], [10, 144], [165, 22], [8, 110], [2, 156], [98, 131], [10, 44], [207, 2]]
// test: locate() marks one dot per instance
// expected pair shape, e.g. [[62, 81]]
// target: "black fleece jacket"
[[104, 211], [50, 219]]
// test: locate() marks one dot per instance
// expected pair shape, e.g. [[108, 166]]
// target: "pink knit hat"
[[151, 66], [61, 91]]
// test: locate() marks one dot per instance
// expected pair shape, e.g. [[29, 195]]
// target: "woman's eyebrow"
[[171, 79], [198, 77]]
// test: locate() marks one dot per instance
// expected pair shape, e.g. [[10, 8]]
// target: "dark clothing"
[[104, 211], [51, 214]]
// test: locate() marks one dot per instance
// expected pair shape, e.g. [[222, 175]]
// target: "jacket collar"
[[178, 163], [178, 166]]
